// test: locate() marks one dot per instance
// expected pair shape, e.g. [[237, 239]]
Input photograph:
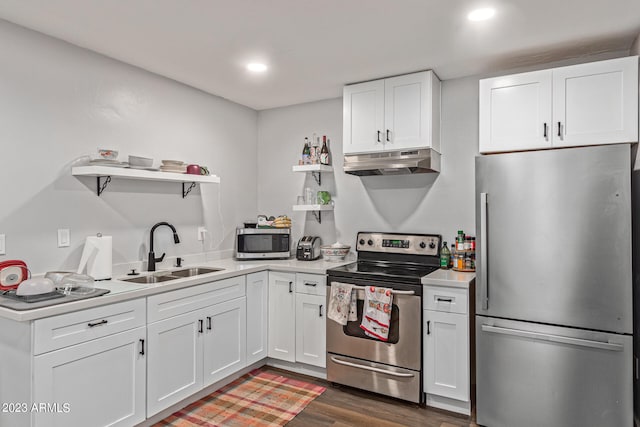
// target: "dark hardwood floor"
[[342, 406]]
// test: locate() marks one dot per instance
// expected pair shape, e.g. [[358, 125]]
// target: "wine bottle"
[[306, 152], [324, 151]]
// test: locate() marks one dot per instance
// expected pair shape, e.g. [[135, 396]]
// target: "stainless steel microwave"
[[263, 243]]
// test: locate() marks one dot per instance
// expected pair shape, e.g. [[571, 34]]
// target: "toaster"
[[308, 248]]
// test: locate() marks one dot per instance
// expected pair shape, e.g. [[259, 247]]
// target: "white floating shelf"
[[313, 168], [312, 207], [108, 172], [130, 173]]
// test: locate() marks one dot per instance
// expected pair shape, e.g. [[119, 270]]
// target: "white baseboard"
[[448, 404], [299, 368]]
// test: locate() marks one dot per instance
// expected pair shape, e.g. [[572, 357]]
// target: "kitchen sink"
[[151, 279], [194, 271], [172, 275]]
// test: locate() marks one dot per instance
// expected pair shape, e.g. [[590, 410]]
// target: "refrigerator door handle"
[[483, 279], [554, 338]]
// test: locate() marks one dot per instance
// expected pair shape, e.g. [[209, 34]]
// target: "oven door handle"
[[370, 368], [362, 288]]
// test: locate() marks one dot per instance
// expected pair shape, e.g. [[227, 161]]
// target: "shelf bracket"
[[318, 177], [102, 186], [188, 190], [318, 215]]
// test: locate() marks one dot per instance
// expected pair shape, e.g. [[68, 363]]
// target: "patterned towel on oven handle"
[[342, 303], [376, 316]]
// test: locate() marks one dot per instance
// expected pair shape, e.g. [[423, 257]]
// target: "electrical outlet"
[[64, 238], [201, 232], [3, 250]]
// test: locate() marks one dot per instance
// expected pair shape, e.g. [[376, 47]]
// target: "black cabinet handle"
[[209, 322], [102, 322], [378, 136], [444, 299], [545, 131], [320, 314], [388, 140], [428, 327], [559, 128], [142, 347], [290, 287], [200, 325], [310, 284]]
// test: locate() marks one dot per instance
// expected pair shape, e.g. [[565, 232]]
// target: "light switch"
[[3, 249], [64, 239]]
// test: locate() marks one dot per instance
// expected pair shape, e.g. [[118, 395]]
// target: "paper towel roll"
[[97, 257]]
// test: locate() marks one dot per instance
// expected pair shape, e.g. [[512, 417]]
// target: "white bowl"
[[140, 162], [334, 252]]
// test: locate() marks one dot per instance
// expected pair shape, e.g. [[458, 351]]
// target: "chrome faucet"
[[151, 265]]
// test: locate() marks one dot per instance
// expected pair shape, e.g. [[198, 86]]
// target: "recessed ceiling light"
[[256, 67], [481, 14]]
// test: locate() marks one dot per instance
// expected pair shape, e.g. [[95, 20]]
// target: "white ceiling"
[[315, 47]]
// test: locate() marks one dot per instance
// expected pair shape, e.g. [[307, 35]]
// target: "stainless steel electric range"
[[390, 260]]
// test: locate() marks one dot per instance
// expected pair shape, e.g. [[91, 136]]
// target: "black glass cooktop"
[[397, 272]]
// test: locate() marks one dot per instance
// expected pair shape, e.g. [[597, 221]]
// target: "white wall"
[[424, 203], [59, 102]]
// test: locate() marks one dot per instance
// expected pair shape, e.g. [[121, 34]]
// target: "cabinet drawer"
[[56, 332], [312, 284], [450, 300], [182, 301]]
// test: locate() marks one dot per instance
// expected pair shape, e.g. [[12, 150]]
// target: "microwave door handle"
[[483, 278]]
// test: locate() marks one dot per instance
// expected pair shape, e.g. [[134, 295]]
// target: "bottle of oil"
[[445, 255]]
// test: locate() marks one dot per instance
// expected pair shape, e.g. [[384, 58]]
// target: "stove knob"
[[370, 242], [361, 241], [422, 245]]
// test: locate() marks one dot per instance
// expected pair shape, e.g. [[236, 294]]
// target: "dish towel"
[[342, 303], [376, 315]]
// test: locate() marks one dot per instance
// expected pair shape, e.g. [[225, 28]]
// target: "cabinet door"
[[257, 316], [175, 360], [282, 316], [96, 383], [515, 112], [225, 342], [596, 103], [363, 117], [407, 118], [446, 354], [311, 342]]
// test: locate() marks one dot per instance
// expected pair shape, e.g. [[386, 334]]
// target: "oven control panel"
[[411, 244]]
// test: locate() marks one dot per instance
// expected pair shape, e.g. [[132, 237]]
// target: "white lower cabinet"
[[257, 316], [96, 383], [297, 318], [446, 348], [282, 316], [311, 343], [225, 340], [174, 365]]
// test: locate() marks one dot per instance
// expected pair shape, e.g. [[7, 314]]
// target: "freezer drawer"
[[538, 375]]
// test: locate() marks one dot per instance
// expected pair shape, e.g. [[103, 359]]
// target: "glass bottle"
[[445, 256], [324, 151], [306, 152]]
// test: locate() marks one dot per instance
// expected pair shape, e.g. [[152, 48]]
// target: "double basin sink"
[[167, 276]]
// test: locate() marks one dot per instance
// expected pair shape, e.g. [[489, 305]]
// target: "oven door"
[[404, 347]]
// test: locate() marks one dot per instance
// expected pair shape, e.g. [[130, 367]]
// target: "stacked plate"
[[108, 162], [175, 166]]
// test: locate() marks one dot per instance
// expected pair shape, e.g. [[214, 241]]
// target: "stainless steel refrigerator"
[[554, 288]]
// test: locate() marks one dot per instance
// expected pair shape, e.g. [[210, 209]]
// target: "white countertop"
[[122, 291], [450, 278]]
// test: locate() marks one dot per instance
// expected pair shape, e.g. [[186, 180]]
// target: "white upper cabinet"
[[515, 112], [392, 114], [585, 104]]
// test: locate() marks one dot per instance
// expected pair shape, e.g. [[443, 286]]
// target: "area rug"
[[256, 399]]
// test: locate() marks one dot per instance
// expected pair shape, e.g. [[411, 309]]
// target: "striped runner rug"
[[256, 399]]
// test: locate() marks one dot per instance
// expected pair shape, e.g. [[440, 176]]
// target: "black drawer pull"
[[310, 284], [142, 347], [102, 322], [444, 299]]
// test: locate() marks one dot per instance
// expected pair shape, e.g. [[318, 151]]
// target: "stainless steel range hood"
[[393, 162]]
